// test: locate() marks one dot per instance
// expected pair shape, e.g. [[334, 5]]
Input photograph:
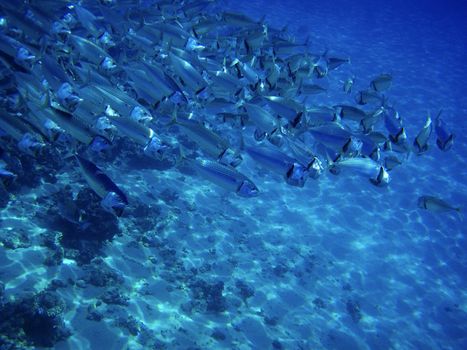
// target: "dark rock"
[[99, 274], [245, 291], [130, 324], [114, 296], [211, 295], [94, 314], [353, 309], [34, 321], [15, 239], [271, 321], [56, 284], [218, 335], [319, 303], [276, 344]]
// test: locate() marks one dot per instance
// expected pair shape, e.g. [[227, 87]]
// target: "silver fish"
[[381, 83], [226, 177], [444, 138], [421, 141], [436, 204], [289, 168], [113, 198]]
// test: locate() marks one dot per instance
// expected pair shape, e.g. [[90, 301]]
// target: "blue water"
[[337, 265]]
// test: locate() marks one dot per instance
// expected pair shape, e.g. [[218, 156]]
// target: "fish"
[[28, 139], [293, 172], [226, 177], [209, 141], [120, 79], [191, 78], [375, 172], [6, 176], [350, 112], [113, 199], [444, 138], [364, 97], [436, 205], [421, 141], [261, 118], [286, 108], [348, 84], [381, 83]]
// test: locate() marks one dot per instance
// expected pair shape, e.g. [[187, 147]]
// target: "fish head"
[[276, 138], [315, 168], [69, 19], [108, 65], [382, 179], [105, 127], [114, 203], [421, 202], [230, 157], [52, 130], [141, 115], [67, 97], [60, 30], [6, 177], [156, 148], [105, 40], [3, 23], [247, 189], [353, 147], [13, 101], [259, 135], [31, 144], [297, 174], [99, 144], [25, 58]]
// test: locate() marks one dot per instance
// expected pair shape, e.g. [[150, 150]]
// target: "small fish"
[[294, 173], [436, 204], [421, 141], [381, 83], [444, 138], [348, 84], [364, 97], [350, 113], [226, 177], [376, 173], [6, 176]]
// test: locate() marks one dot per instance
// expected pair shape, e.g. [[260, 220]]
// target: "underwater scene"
[[208, 174]]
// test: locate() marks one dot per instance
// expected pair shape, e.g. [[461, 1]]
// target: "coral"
[[245, 290], [210, 295], [100, 274], [34, 321], [353, 309], [15, 239], [218, 335], [114, 296]]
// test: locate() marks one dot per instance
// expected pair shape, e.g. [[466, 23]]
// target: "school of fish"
[[186, 83]]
